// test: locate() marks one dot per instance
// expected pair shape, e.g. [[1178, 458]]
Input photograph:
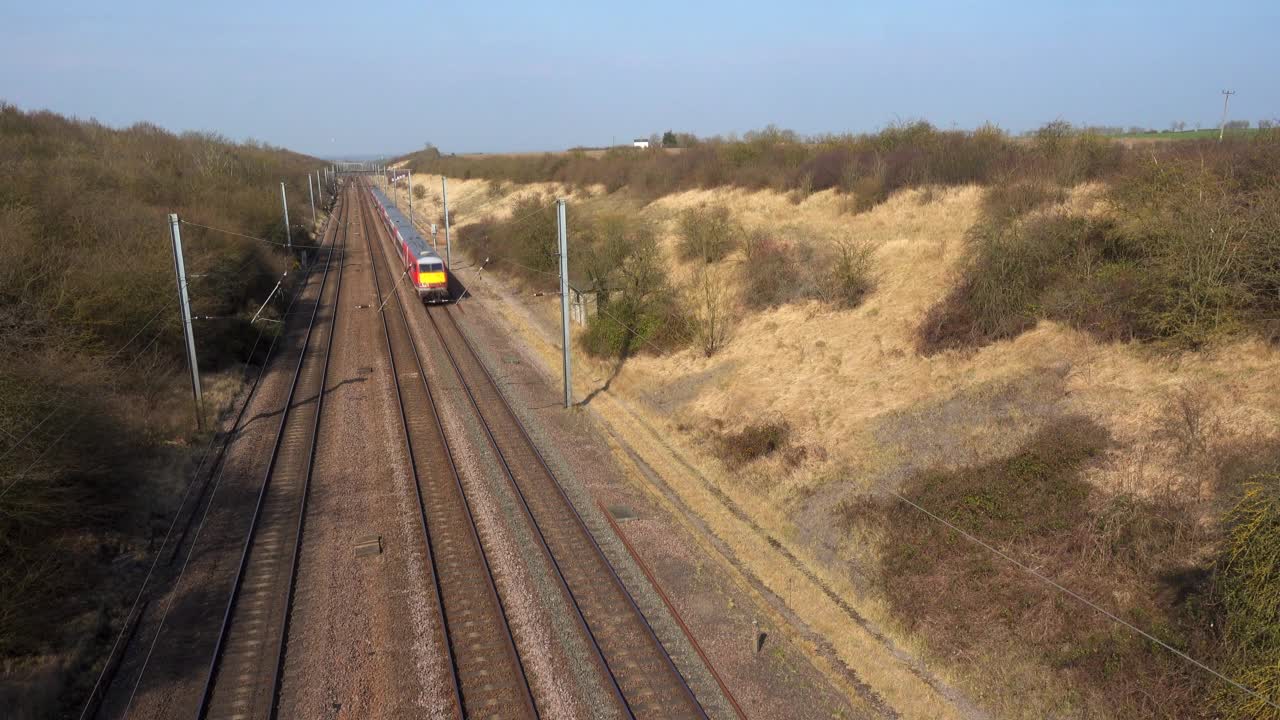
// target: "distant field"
[[588, 152], [1183, 135]]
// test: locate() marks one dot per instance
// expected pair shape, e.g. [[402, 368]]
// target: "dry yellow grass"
[[850, 383]]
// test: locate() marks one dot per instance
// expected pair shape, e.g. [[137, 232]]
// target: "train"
[[423, 265]]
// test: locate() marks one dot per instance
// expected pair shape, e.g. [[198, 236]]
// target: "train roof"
[[421, 248]]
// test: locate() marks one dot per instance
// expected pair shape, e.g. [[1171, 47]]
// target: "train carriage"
[[425, 267]]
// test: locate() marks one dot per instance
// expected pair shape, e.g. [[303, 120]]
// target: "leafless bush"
[[707, 234], [709, 298], [1190, 421], [850, 278]]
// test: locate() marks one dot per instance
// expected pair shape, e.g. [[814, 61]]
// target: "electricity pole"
[[411, 221], [288, 235], [1226, 98], [562, 232], [312, 193], [180, 271], [444, 193]]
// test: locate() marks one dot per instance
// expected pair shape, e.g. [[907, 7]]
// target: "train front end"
[[432, 281]]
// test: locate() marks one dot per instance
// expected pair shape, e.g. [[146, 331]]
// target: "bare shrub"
[[776, 271], [711, 316], [618, 255], [1190, 421], [1016, 197], [849, 279], [1187, 255], [707, 234], [868, 168]]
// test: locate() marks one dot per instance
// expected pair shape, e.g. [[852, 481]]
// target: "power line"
[[249, 237], [1084, 600]]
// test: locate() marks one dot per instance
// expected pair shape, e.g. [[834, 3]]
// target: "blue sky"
[[339, 78]]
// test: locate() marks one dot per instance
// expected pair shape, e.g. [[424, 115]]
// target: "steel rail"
[[463, 595], [643, 695], [365, 217], [234, 598], [214, 470]]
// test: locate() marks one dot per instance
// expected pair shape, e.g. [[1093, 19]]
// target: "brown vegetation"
[[1184, 253], [85, 263], [867, 167], [1144, 558], [707, 234]]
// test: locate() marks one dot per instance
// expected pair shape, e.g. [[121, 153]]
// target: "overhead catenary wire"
[[249, 237]]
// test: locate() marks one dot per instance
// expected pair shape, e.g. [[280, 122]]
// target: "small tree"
[[419, 192], [850, 278], [707, 233], [710, 308], [669, 139]]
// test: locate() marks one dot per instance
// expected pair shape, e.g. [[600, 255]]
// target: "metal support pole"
[[312, 194], [288, 235], [411, 221], [448, 248], [180, 271], [562, 231]]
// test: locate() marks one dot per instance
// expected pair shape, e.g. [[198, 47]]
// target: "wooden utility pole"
[[1226, 98]]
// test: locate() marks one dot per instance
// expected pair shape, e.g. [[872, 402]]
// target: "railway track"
[[648, 680], [243, 678], [488, 679], [648, 684]]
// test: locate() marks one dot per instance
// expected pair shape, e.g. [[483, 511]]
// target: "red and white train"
[[421, 262]]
